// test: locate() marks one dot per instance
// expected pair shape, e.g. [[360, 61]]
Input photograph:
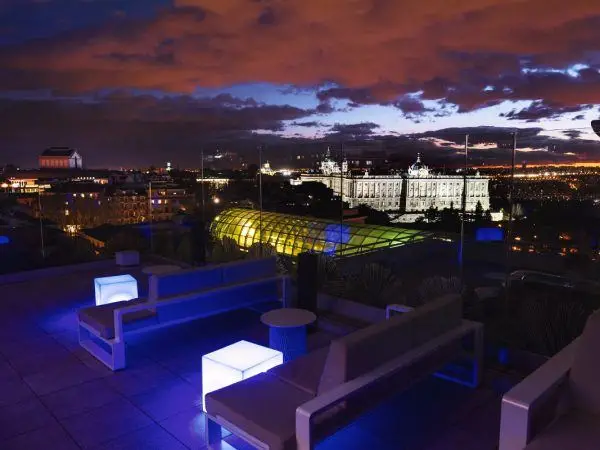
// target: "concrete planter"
[[521, 360]]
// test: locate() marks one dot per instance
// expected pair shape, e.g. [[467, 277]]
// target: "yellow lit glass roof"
[[292, 235]]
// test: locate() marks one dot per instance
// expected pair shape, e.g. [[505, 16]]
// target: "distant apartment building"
[[60, 158], [168, 201], [78, 206]]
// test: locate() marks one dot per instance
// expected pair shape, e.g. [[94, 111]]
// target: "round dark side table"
[[287, 330]]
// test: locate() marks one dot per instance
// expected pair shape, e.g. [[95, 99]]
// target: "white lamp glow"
[[235, 363], [115, 289]]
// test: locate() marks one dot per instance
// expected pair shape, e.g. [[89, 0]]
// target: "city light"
[[216, 200]]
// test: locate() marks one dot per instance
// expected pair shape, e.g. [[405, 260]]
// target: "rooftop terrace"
[[53, 391]]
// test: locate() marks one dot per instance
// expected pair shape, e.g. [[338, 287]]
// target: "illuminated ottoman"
[[235, 363], [115, 289]]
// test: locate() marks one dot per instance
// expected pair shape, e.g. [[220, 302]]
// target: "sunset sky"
[[142, 81]]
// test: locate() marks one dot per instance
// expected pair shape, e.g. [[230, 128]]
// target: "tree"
[[449, 218], [432, 214], [478, 211], [374, 216], [480, 216]]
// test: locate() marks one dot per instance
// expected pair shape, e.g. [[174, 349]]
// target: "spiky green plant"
[[374, 284], [265, 250], [327, 269], [436, 286], [261, 250], [226, 250], [546, 324]]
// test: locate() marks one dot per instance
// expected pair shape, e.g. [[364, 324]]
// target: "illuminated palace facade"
[[413, 192]]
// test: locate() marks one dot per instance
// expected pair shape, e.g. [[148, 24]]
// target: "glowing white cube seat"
[[115, 289], [235, 363]]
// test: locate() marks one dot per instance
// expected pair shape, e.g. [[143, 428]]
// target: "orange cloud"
[[384, 47]]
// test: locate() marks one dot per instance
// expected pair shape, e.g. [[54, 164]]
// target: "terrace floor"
[[53, 394]]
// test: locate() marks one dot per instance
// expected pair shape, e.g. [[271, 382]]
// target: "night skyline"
[[142, 81]]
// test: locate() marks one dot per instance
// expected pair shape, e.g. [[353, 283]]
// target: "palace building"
[[412, 192]]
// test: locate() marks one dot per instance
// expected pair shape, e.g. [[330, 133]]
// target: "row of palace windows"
[[51, 162]]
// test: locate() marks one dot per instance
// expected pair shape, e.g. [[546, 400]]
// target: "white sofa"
[[175, 298], [557, 407]]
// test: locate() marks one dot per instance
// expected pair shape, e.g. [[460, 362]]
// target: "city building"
[[34, 181], [60, 158], [77, 206], [266, 169], [410, 193], [168, 201], [219, 160]]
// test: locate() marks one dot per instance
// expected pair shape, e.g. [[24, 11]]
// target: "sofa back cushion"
[[241, 271], [362, 351], [205, 278], [184, 281], [208, 303], [584, 389]]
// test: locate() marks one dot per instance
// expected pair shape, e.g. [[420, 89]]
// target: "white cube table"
[[234, 363], [115, 289]]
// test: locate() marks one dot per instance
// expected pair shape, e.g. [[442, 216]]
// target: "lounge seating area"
[[310, 398], [174, 298], [341, 394]]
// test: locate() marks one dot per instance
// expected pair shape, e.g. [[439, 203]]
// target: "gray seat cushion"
[[583, 387], [303, 372], [263, 406], [571, 431], [101, 318]]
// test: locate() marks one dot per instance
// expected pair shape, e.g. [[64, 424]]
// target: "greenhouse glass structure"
[[291, 235]]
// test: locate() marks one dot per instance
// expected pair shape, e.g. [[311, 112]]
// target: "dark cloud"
[[412, 107], [352, 131], [493, 145], [311, 124], [360, 96], [540, 110], [324, 108], [121, 128], [573, 134]]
